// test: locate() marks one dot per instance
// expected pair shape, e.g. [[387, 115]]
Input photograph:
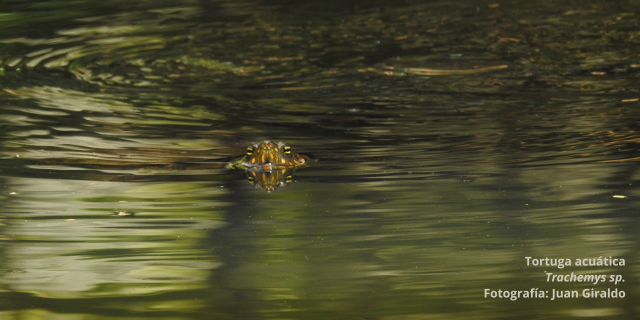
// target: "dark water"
[[452, 138]]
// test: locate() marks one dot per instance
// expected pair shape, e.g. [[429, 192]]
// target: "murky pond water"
[[449, 140]]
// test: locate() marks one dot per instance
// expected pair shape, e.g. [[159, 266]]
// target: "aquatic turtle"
[[269, 164], [268, 155]]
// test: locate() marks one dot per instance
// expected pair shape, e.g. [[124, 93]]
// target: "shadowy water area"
[[446, 141]]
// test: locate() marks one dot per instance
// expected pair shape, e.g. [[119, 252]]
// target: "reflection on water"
[[270, 180], [449, 141]]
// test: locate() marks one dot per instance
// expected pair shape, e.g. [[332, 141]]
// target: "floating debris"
[[123, 213], [16, 271]]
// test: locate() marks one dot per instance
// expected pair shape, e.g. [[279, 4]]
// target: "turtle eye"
[[288, 179], [287, 150], [249, 151]]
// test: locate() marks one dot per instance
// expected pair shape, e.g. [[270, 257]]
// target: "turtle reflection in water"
[[269, 164]]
